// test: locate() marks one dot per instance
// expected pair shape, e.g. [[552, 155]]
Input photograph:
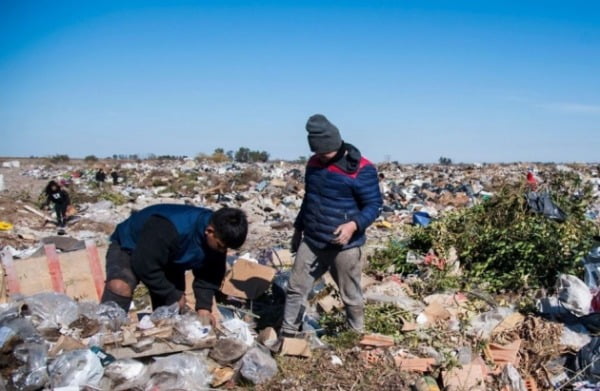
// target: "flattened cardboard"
[[295, 347], [378, 340], [247, 280], [414, 364], [470, 377]]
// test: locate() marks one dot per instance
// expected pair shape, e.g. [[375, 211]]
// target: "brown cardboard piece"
[[510, 322], [282, 257], [329, 303], [33, 275], [377, 340], [247, 279], [414, 364], [295, 347], [504, 354], [469, 377], [435, 312], [267, 336]]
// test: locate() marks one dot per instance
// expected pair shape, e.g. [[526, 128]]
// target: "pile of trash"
[[454, 339], [50, 341]]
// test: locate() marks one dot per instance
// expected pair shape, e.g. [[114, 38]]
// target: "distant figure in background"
[[115, 177], [100, 175], [60, 199]]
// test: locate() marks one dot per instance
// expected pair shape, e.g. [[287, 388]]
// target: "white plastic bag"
[[238, 329], [75, 369], [190, 330], [183, 371], [258, 366], [574, 295], [482, 325]]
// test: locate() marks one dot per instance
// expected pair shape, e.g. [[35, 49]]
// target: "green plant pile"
[[501, 243]]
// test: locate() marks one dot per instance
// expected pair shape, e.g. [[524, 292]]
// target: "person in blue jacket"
[[157, 244], [342, 198]]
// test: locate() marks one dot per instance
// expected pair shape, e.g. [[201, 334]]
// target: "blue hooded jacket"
[[189, 221], [346, 189]]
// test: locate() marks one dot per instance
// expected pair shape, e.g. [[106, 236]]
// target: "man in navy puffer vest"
[[342, 198], [157, 244]]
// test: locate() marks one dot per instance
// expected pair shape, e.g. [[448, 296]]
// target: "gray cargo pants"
[[345, 267]]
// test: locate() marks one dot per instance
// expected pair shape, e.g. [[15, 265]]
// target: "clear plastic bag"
[[190, 330], [238, 329], [183, 371], [483, 325], [75, 369], [258, 366], [111, 316], [33, 375], [125, 374], [51, 310], [165, 314]]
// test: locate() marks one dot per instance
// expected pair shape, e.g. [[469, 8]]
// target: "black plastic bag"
[[542, 203]]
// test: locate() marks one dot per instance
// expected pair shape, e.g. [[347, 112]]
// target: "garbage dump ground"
[[476, 277]]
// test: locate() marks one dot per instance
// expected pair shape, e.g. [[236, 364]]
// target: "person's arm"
[[208, 278], [66, 198], [368, 196], [157, 243]]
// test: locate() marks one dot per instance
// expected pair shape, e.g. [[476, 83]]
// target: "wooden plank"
[[12, 282], [95, 267], [54, 268], [157, 349], [33, 276]]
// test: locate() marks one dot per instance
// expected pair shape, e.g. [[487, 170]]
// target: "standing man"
[[342, 198], [157, 244]]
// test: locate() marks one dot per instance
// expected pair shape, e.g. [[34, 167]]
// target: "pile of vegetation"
[[500, 242]]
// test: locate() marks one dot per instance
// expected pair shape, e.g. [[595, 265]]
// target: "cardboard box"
[[247, 280]]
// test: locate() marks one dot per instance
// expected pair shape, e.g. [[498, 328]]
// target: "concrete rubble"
[[50, 340]]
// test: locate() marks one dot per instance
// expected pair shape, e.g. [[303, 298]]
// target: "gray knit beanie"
[[323, 136]]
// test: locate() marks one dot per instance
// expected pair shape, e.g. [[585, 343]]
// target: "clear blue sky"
[[406, 80]]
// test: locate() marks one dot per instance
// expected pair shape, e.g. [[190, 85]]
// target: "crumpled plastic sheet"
[[111, 316], [190, 330], [575, 336], [183, 371], [51, 310], [391, 292], [125, 374], [165, 313], [76, 368], [258, 366], [512, 378], [482, 325], [33, 375], [239, 329], [574, 295]]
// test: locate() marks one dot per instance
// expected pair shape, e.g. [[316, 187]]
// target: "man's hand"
[[344, 233], [296, 240], [181, 303], [207, 318]]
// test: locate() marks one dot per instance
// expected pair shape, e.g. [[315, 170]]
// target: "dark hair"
[[231, 226], [49, 187]]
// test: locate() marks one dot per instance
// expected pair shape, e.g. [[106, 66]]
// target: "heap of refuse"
[[456, 339]]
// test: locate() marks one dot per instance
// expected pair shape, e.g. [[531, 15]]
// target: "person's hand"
[[207, 318], [344, 232], [181, 302], [296, 240]]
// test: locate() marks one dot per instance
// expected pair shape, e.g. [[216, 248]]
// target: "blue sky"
[[476, 81]]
